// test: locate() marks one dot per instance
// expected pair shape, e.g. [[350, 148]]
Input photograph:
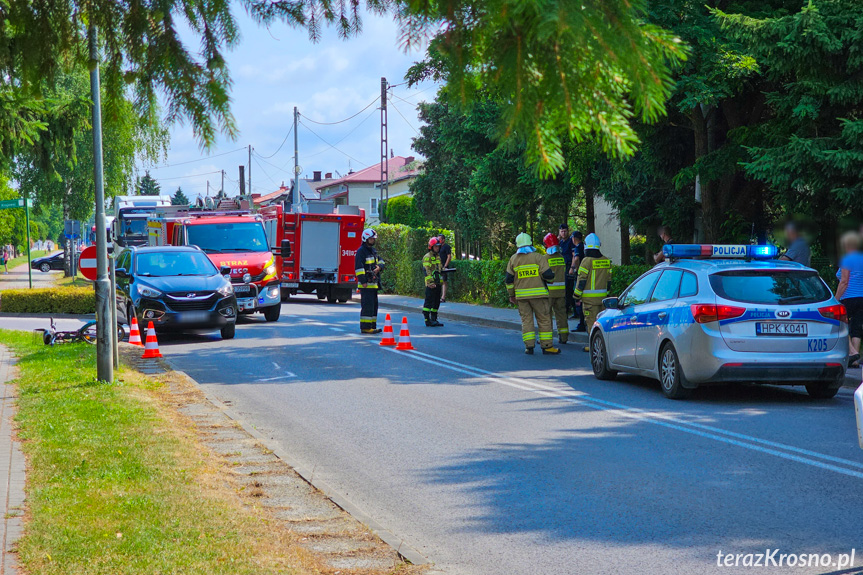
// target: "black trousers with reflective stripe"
[[368, 308], [432, 302]]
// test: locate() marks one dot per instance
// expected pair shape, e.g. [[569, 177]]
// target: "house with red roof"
[[363, 188]]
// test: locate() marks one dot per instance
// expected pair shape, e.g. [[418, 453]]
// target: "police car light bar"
[[763, 252]]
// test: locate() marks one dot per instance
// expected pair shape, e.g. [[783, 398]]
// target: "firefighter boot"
[[435, 322], [375, 328], [528, 350], [429, 322], [550, 351]]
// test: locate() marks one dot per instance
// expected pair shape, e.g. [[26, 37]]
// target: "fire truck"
[[318, 243], [232, 237]]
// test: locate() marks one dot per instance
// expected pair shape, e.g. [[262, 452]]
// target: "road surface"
[[492, 462]]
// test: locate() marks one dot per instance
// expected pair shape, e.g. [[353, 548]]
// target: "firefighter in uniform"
[[368, 270], [591, 286], [557, 286], [433, 268], [526, 275]]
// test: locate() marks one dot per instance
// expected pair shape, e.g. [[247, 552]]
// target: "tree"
[[179, 198], [147, 186]]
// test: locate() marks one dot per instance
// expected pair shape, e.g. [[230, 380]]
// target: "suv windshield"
[[160, 264], [233, 237], [771, 287]]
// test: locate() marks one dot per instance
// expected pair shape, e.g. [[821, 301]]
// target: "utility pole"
[[250, 169], [385, 175], [223, 182], [242, 180], [296, 195], [208, 188], [104, 353]]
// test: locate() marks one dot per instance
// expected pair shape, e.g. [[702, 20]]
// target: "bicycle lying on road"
[[86, 332]]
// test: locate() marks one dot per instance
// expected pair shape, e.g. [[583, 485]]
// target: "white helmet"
[[591, 242], [369, 234]]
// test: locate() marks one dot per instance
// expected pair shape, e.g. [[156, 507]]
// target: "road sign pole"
[[104, 353], [115, 344], [27, 223]]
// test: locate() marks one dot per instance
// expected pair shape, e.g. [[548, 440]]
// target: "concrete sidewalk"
[[11, 469], [17, 278], [505, 318]]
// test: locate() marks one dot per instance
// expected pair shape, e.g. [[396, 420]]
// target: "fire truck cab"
[[317, 246], [233, 238]]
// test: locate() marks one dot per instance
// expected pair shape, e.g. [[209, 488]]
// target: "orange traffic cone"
[[388, 332], [134, 333], [151, 347], [405, 336]]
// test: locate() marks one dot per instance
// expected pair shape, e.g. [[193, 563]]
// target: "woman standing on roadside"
[[850, 291]]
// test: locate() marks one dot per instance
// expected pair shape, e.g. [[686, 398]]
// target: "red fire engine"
[[318, 243], [230, 237]]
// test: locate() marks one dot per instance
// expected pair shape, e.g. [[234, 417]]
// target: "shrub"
[[402, 210], [622, 276], [48, 300]]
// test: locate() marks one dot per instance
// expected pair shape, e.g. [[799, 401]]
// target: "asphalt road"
[[499, 463]]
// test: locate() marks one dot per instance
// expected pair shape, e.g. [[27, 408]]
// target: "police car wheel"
[[822, 389], [599, 358], [671, 376]]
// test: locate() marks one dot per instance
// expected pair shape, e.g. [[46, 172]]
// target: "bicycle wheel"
[[88, 333]]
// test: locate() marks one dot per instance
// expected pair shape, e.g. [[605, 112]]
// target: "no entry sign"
[[87, 263]]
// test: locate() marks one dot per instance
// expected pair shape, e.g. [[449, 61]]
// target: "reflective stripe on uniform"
[[360, 271], [562, 330], [367, 319], [371, 260], [595, 292], [530, 292], [368, 286], [554, 287], [529, 336], [545, 335], [583, 269], [576, 291]]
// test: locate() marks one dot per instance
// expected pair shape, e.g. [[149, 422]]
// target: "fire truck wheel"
[[331, 297], [321, 294], [229, 330], [272, 313]]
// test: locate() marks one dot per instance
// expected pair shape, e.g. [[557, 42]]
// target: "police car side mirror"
[[286, 248], [611, 303]]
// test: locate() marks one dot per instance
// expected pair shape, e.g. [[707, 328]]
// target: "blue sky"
[[278, 68]]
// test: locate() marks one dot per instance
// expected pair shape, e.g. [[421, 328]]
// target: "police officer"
[[591, 286], [557, 286], [368, 270], [526, 275], [433, 268]]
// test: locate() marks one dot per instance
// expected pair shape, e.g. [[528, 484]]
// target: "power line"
[[329, 144], [280, 145], [393, 104], [346, 119], [265, 172], [198, 160], [372, 113], [189, 176]]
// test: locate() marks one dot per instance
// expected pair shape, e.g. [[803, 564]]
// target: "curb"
[[402, 549], [82, 316], [577, 337]]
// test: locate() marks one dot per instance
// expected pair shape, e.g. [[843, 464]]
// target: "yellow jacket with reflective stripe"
[[593, 277], [527, 270], [557, 286], [432, 264]]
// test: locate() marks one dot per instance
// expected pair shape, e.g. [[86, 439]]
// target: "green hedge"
[[48, 300], [475, 281]]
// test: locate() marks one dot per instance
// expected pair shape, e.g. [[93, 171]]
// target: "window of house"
[[374, 207]]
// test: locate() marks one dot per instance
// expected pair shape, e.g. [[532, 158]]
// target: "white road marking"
[[336, 329], [276, 365], [287, 375], [671, 422]]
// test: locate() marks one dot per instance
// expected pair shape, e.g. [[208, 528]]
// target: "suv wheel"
[[273, 312], [599, 358], [229, 331], [671, 376]]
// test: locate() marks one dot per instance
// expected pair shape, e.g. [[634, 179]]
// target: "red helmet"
[[550, 240], [433, 242]]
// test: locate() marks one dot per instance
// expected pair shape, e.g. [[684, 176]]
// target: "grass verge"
[[116, 485]]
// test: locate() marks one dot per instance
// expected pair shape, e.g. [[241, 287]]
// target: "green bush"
[[48, 300], [400, 246], [622, 276], [402, 210]]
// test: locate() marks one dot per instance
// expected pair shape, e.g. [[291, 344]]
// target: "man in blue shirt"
[[798, 248], [567, 249]]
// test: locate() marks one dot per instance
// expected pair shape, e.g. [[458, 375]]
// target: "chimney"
[[328, 176], [316, 176], [256, 196]]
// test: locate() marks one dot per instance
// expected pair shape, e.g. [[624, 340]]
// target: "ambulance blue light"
[[763, 252]]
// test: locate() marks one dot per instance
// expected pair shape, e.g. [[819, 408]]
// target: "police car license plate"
[[242, 289], [290, 285], [780, 328]]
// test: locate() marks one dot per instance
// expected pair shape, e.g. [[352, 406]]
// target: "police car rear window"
[[770, 287]]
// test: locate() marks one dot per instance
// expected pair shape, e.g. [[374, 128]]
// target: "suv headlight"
[[226, 290], [148, 292]]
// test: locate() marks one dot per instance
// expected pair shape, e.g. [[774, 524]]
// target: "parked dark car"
[[48, 263], [178, 288]]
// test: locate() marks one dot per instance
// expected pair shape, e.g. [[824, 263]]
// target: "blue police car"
[[713, 313]]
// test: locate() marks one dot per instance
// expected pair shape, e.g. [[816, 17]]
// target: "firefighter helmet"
[[550, 240], [433, 242], [523, 240], [591, 242], [369, 234]]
